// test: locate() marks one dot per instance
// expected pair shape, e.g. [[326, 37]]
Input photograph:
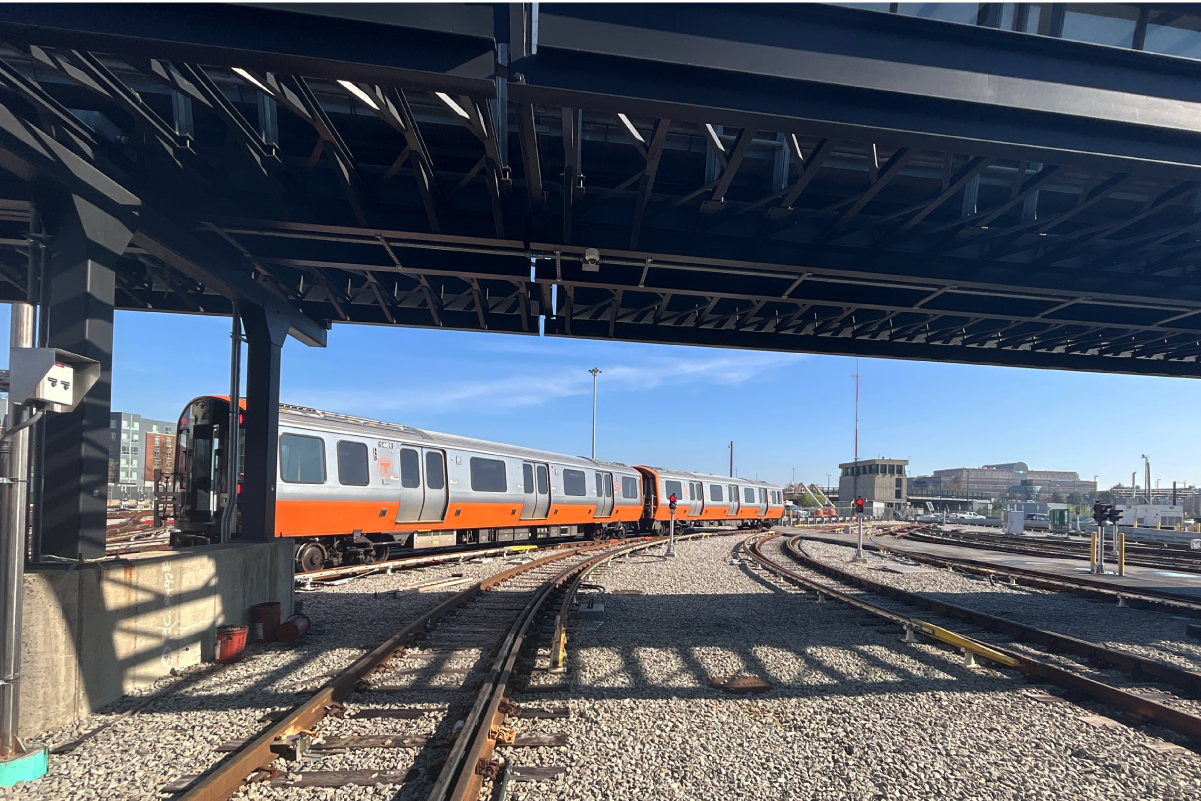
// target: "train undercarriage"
[[318, 553]]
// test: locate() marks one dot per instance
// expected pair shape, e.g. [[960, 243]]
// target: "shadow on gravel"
[[835, 650]]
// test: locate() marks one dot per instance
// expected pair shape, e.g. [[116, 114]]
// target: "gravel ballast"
[[178, 733], [853, 713], [1146, 632]]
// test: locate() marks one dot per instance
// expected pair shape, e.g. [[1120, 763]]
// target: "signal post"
[[859, 555]]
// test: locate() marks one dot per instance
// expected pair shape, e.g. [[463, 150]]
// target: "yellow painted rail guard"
[[951, 638]]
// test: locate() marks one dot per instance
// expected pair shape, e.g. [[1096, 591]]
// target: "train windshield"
[[200, 463]]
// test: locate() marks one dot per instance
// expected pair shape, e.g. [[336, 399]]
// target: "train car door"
[[696, 498], [762, 502], [412, 496], [604, 495], [434, 507], [542, 509], [529, 500], [733, 499], [535, 480]]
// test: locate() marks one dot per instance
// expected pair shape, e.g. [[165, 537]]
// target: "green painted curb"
[[26, 767]]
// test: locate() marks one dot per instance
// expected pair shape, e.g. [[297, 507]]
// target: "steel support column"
[[86, 243], [266, 331]]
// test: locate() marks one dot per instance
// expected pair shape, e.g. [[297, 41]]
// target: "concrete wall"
[[95, 632]]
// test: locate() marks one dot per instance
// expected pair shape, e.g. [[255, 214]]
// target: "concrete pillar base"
[[93, 632]]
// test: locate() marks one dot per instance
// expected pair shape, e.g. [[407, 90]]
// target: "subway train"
[[350, 489]]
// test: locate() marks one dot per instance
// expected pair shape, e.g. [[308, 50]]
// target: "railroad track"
[[306, 579], [1166, 695], [1143, 597], [464, 652], [1143, 555]]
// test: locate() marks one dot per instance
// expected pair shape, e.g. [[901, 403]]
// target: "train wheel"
[[310, 557], [382, 552]]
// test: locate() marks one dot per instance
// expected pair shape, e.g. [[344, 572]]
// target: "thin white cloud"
[[536, 389]]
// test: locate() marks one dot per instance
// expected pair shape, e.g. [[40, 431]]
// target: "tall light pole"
[[859, 555], [731, 458], [595, 372], [1147, 464]]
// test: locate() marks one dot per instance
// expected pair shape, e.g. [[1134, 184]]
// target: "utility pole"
[[858, 557], [595, 372], [1147, 465], [15, 470], [229, 517], [731, 458]]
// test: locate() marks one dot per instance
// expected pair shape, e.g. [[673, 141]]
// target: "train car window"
[[352, 464], [574, 483], [748, 495], [301, 459], [435, 473], [608, 486], [410, 468], [715, 492], [488, 475], [600, 486], [543, 480], [629, 487], [673, 488], [527, 478], [762, 496]]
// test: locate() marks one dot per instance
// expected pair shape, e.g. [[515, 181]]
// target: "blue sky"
[[678, 406]]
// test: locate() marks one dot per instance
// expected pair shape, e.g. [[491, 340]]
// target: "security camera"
[[591, 260]]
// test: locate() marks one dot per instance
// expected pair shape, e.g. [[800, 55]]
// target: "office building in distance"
[[1011, 480], [137, 447]]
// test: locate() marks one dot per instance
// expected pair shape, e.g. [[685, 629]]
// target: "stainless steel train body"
[[349, 488]]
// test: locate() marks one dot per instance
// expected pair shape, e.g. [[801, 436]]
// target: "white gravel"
[[853, 713], [1148, 633], [177, 734]]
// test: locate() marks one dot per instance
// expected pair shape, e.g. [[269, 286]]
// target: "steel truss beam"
[[1075, 238]]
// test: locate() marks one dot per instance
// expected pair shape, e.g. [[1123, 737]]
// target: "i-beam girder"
[[1071, 249]]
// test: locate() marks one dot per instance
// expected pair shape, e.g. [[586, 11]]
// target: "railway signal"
[[1105, 513], [859, 557], [671, 530]]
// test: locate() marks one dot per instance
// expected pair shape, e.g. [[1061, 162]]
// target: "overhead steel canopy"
[[802, 178]]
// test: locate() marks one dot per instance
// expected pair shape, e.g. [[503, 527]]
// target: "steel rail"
[[417, 561], [466, 766], [1137, 707], [1141, 555], [222, 780], [1153, 669], [1081, 585], [1030, 577]]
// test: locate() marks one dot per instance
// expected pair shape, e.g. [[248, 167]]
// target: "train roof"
[[341, 422], [709, 477]]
